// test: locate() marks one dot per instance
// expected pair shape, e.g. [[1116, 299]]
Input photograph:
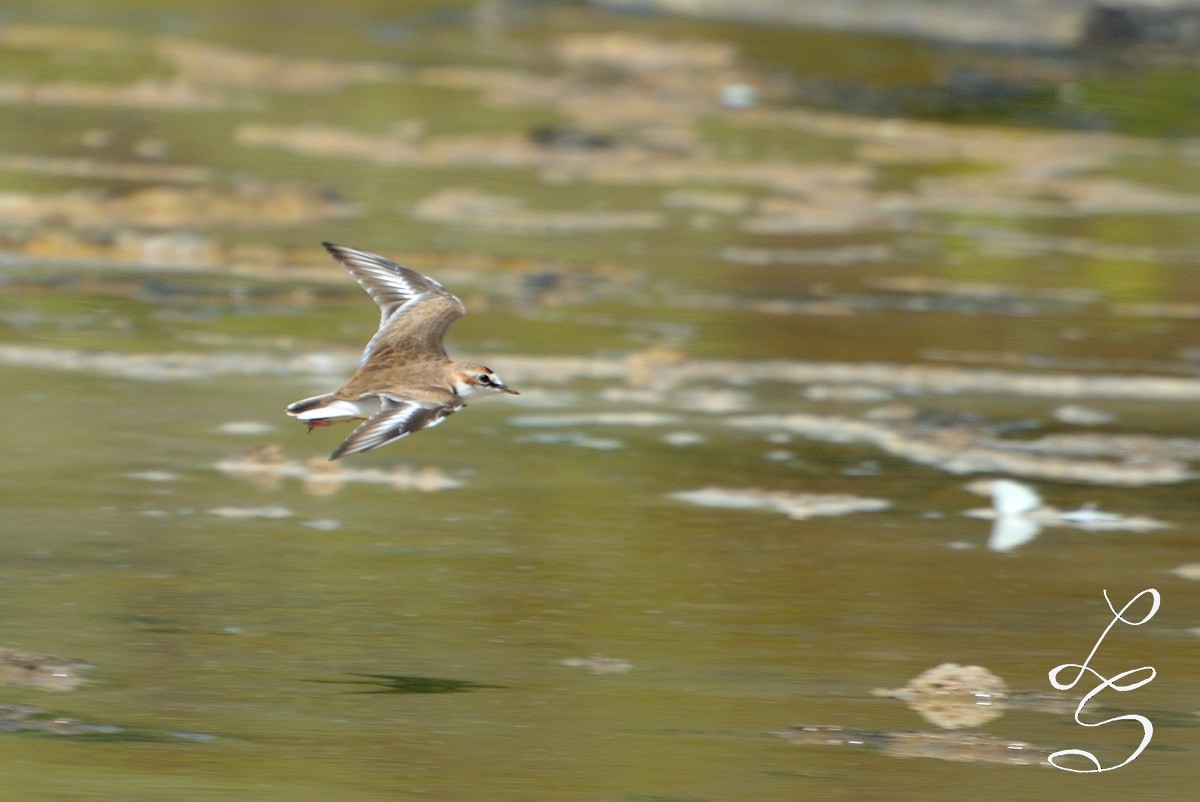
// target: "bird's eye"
[[485, 379]]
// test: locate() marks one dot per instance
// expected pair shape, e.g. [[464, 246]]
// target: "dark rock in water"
[[1109, 26], [1112, 28], [932, 418], [542, 281], [562, 137]]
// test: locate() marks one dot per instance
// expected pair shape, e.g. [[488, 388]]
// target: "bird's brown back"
[[391, 369]]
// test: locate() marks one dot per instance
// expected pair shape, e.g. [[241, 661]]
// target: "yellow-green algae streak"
[[517, 605]]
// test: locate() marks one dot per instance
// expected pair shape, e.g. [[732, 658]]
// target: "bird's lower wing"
[[396, 419]]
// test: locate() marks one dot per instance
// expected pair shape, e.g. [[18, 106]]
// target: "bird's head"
[[475, 380]]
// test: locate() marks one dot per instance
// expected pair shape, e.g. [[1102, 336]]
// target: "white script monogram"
[[1106, 682]]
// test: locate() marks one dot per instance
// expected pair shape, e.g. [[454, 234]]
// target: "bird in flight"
[[404, 381]]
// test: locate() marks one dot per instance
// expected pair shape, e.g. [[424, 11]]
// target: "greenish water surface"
[[554, 623]]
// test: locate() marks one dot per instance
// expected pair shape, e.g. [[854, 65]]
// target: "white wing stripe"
[[398, 418], [395, 289]]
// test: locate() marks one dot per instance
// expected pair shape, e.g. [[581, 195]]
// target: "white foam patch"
[[244, 427], [326, 476], [797, 506], [575, 439], [153, 476], [598, 419], [251, 512], [716, 401]]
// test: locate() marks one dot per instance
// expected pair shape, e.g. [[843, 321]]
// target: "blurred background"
[[857, 345]]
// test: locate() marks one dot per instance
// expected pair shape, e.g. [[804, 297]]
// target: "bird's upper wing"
[[414, 310], [396, 418]]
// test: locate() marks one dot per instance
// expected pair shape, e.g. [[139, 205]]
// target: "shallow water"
[[519, 605]]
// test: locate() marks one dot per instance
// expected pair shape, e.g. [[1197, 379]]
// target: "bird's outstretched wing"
[[396, 418], [414, 310]]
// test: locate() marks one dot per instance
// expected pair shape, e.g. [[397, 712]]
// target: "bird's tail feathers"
[[298, 408]]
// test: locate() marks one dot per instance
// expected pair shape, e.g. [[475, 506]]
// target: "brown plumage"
[[405, 381]]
